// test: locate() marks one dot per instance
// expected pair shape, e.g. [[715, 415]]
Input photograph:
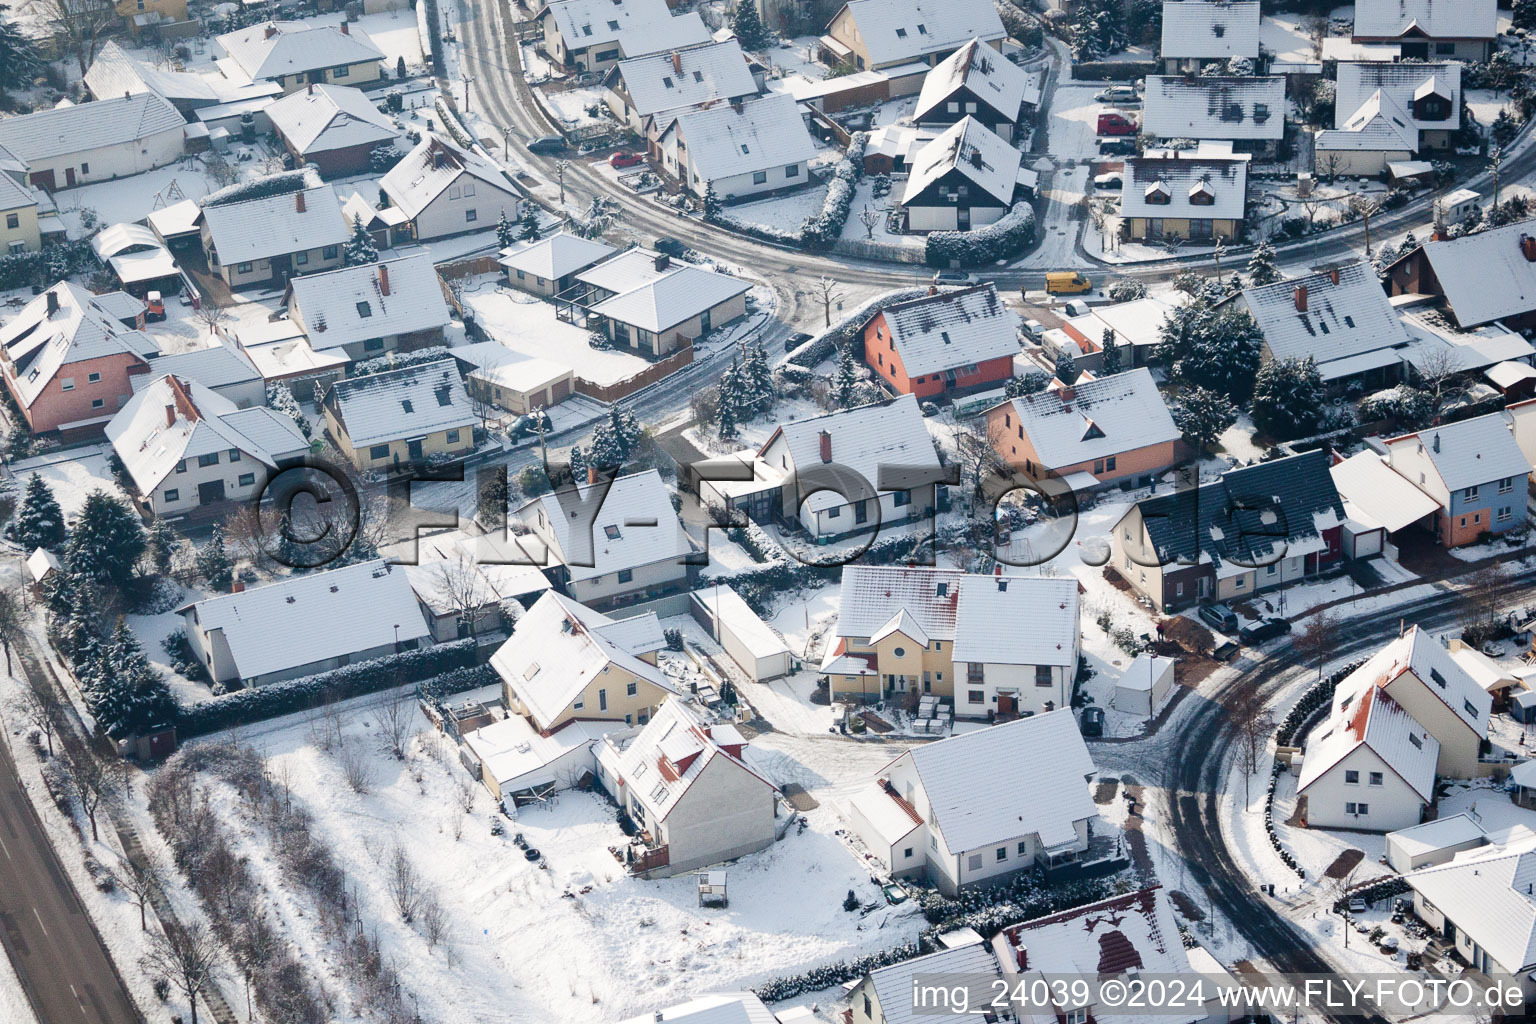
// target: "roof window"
[[364, 310]]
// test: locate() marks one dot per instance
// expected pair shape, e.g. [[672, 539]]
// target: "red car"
[[624, 159], [1111, 123]]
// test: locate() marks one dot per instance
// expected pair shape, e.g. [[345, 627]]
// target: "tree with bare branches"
[[1440, 376], [188, 955], [39, 709], [1316, 638], [828, 294], [1330, 164], [396, 718], [870, 218], [12, 621], [355, 767], [460, 584], [141, 881], [404, 884], [80, 26], [258, 947], [92, 782], [211, 311], [1255, 724], [1365, 207]]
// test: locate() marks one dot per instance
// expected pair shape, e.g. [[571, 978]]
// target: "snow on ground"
[[795, 57], [152, 631], [1489, 803], [14, 1007], [72, 474], [1485, 104], [1074, 121], [125, 200], [1284, 36], [864, 198], [575, 107], [784, 212]]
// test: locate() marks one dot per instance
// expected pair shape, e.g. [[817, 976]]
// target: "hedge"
[[1318, 694], [55, 263], [758, 586], [1112, 70], [1386, 889], [847, 330], [999, 240], [262, 702], [826, 227], [452, 125], [278, 184]]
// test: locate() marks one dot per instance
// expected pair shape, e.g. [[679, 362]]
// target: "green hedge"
[[1112, 70]]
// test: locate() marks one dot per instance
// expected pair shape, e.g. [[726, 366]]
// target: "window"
[[1470, 494], [976, 696], [759, 177], [242, 268], [1505, 515], [938, 645], [901, 33], [470, 216], [1042, 675], [379, 451], [835, 512], [341, 72], [247, 479], [1351, 808], [791, 170], [453, 437], [211, 459], [868, 1008], [1506, 485], [1365, 808], [93, 378], [1109, 464], [302, 259], [975, 862], [1472, 711], [900, 652], [1376, 778], [330, 252], [1002, 853], [67, 384], [1352, 778], [181, 467], [602, 700], [374, 344], [1242, 581], [1023, 847], [469, 190], [1445, 49], [632, 689], [577, 705], [172, 494], [901, 499], [85, 168], [13, 220], [1078, 1016], [626, 575], [97, 403], [907, 853]]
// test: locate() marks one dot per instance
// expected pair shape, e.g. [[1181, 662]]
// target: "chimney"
[[298, 202], [170, 415], [1528, 248], [345, 30], [826, 447], [591, 474], [383, 280], [1301, 298], [271, 31], [663, 261], [1436, 442], [736, 106], [677, 63], [975, 158], [310, 88], [238, 587], [1022, 956], [1333, 275], [53, 303], [1067, 392]]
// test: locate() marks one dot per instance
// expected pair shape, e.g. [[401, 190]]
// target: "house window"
[[901, 499], [791, 170], [1351, 808], [211, 459], [1242, 581], [602, 700], [453, 437], [906, 854], [1445, 49], [626, 575], [900, 652], [521, 276], [1078, 1016], [1023, 848], [85, 168], [302, 259], [379, 451], [13, 220], [759, 177], [869, 1010], [1505, 515], [1109, 464], [976, 696], [181, 467], [578, 704], [330, 252], [1002, 853], [97, 403], [1351, 778], [1365, 808], [1416, 741], [247, 479], [835, 512], [1472, 711], [234, 455], [172, 494], [1376, 778], [470, 216], [93, 378], [67, 384], [1506, 485], [974, 862], [373, 344], [242, 268], [632, 689], [1470, 494], [469, 190], [341, 72], [1042, 675]]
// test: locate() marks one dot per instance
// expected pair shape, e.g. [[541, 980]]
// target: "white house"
[[1386, 112], [594, 35], [1370, 766], [337, 128], [268, 634], [220, 367], [77, 144], [1482, 902], [740, 148], [887, 995], [372, 308], [549, 266], [649, 302], [964, 178], [1199, 34], [928, 812], [643, 87], [1434, 842], [295, 54], [442, 189], [187, 448], [1424, 29], [269, 240]]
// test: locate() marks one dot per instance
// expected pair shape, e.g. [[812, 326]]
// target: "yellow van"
[[1067, 282]]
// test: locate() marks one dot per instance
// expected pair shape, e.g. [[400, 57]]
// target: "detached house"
[[875, 35], [408, 416], [926, 814], [1255, 528], [550, 265], [594, 35], [1107, 430], [1482, 902], [943, 344], [19, 227], [1389, 112], [887, 995], [975, 81], [657, 84], [1199, 33], [964, 178], [1171, 195], [740, 149], [1479, 279], [442, 189], [295, 54], [336, 128], [652, 304], [269, 240], [113, 138], [369, 309], [1427, 29], [1248, 112], [1475, 471], [68, 360], [999, 645]]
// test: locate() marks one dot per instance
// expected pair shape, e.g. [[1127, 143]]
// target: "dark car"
[[671, 246], [1219, 616], [1117, 146], [546, 144], [795, 340], [1092, 722], [1264, 629]]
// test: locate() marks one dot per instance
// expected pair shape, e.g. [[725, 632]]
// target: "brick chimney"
[[238, 587], [383, 280], [345, 30], [271, 31], [1528, 248], [1300, 294], [1333, 275], [677, 63], [310, 88], [1022, 956], [298, 202], [591, 474], [826, 447], [1067, 392], [170, 415], [736, 106], [53, 303]]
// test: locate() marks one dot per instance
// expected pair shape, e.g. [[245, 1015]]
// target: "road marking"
[[5, 850], [40, 924]]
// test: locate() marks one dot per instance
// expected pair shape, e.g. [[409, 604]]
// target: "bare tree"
[[396, 717], [92, 782], [1255, 723], [1316, 639], [355, 767], [434, 919], [1314, 205], [39, 709], [141, 880], [460, 584], [870, 218], [187, 954], [1330, 164], [211, 311], [1482, 596], [1365, 207], [481, 405], [258, 947], [79, 26], [12, 621], [1495, 167], [1316, 29], [829, 295], [1440, 375], [561, 167], [220, 171], [404, 884], [464, 792]]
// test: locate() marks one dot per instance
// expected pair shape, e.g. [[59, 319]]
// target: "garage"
[[751, 643]]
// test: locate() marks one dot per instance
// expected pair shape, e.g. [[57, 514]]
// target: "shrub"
[[261, 188], [183, 660], [1000, 240], [823, 228], [674, 638], [452, 125]]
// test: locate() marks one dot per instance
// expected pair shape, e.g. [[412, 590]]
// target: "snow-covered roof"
[[638, 27], [274, 628], [1376, 495], [973, 149], [1358, 81], [41, 562], [662, 762], [1487, 894], [274, 48], [1145, 672], [1507, 374], [1379, 723], [560, 645], [425, 173], [1483, 670], [276, 225], [686, 77], [14, 195], [1211, 189], [1315, 317], [890, 815], [1434, 337], [38, 345], [1418, 654], [1487, 275], [722, 1008], [1433, 19], [554, 257], [413, 401], [217, 366], [173, 419], [656, 292], [1471, 452], [730, 139], [985, 73], [114, 73], [519, 757], [635, 525], [493, 362], [177, 219], [1209, 30], [755, 634], [1438, 834], [57, 131], [949, 329], [1095, 418], [320, 118], [1214, 107], [1021, 621], [1036, 771], [895, 985], [1380, 124], [369, 300], [1137, 322], [863, 439], [902, 31]]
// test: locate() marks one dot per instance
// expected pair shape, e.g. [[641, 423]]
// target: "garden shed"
[[1145, 686]]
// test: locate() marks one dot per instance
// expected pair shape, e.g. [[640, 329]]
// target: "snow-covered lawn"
[[73, 475], [575, 107], [1283, 35], [1485, 104], [152, 631], [784, 212], [126, 200]]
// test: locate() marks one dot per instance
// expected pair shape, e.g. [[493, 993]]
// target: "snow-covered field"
[[72, 474], [785, 212], [14, 1008]]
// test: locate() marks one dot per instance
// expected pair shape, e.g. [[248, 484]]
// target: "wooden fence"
[[650, 375]]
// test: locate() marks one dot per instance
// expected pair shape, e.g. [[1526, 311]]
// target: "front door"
[[210, 492], [69, 177], [1007, 704], [413, 449]]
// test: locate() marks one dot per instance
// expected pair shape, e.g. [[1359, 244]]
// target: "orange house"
[[943, 344], [1112, 429]]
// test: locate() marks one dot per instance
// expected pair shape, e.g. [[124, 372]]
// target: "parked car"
[[1076, 307], [1067, 282], [1034, 329], [1118, 94], [1109, 179], [624, 158], [1264, 629], [671, 247], [954, 278], [1114, 123], [1092, 722], [1219, 616], [546, 144], [795, 340], [1120, 145]]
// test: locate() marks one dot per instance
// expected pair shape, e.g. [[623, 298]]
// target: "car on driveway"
[[1034, 329], [546, 144], [1119, 146], [1092, 722], [1219, 616], [1076, 307], [624, 158], [1109, 179], [1264, 629]]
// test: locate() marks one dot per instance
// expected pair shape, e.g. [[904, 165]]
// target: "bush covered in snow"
[[825, 227], [397, 360], [20, 269], [851, 327], [997, 241], [1402, 404], [271, 185], [818, 978], [452, 126], [991, 909]]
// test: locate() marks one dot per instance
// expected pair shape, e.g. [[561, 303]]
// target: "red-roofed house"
[[1370, 767], [944, 343]]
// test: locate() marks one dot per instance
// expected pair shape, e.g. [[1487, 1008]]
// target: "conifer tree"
[[39, 522], [213, 561], [1112, 359], [107, 541], [529, 229], [505, 236], [360, 248]]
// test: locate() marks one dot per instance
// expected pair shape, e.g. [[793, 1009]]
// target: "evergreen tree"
[[360, 249], [39, 522], [1202, 416], [711, 203], [625, 429], [1112, 359], [1261, 266], [125, 694], [1031, 383], [529, 229], [1288, 398], [280, 399], [1523, 14], [400, 67], [290, 550], [19, 60], [505, 236], [727, 418], [760, 380], [607, 451], [1213, 349], [1066, 369], [845, 382], [107, 541], [160, 547], [748, 26], [578, 465], [213, 561]]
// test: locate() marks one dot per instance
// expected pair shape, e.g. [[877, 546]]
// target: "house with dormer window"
[[401, 418], [1247, 112], [1429, 29], [871, 35], [1169, 194], [976, 81], [963, 179], [944, 343], [1205, 32]]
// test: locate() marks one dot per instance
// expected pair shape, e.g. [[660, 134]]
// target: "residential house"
[[566, 663], [739, 149], [1249, 112], [1137, 327], [943, 344], [511, 380], [68, 361], [1479, 278], [148, 18], [518, 764], [1171, 195], [19, 231], [1106, 430], [964, 178], [410, 416], [888, 995], [1426, 30], [221, 367], [188, 450], [268, 240], [1338, 318], [1387, 113], [445, 190], [1199, 33], [384, 224], [861, 441], [873, 35], [657, 84], [268, 634], [336, 128], [590, 36], [295, 54], [998, 645], [631, 547], [1253, 529], [975, 81], [476, 583], [369, 309], [66, 146], [1380, 504], [925, 815], [549, 266], [1474, 470], [652, 304], [1481, 903], [686, 786], [1436, 344]]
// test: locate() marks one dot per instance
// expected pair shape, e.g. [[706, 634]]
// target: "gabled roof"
[[730, 139], [1036, 771], [1376, 495], [37, 345], [14, 195], [321, 118], [1095, 418], [973, 149], [560, 645], [686, 77], [863, 439], [1213, 107], [1380, 123], [369, 300], [1183, 179], [638, 26], [668, 755], [1210, 30], [1471, 452], [1488, 894], [314, 617], [894, 985], [1485, 276], [409, 402], [173, 419], [1358, 81], [425, 173], [1434, 19], [275, 225], [554, 257], [950, 329], [655, 299], [219, 365], [902, 622], [1380, 724], [1339, 321], [636, 525], [274, 48], [35, 138], [901, 31], [981, 70], [1437, 670], [114, 73]]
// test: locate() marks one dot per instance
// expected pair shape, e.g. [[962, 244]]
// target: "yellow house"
[[401, 417], [19, 231], [168, 10]]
